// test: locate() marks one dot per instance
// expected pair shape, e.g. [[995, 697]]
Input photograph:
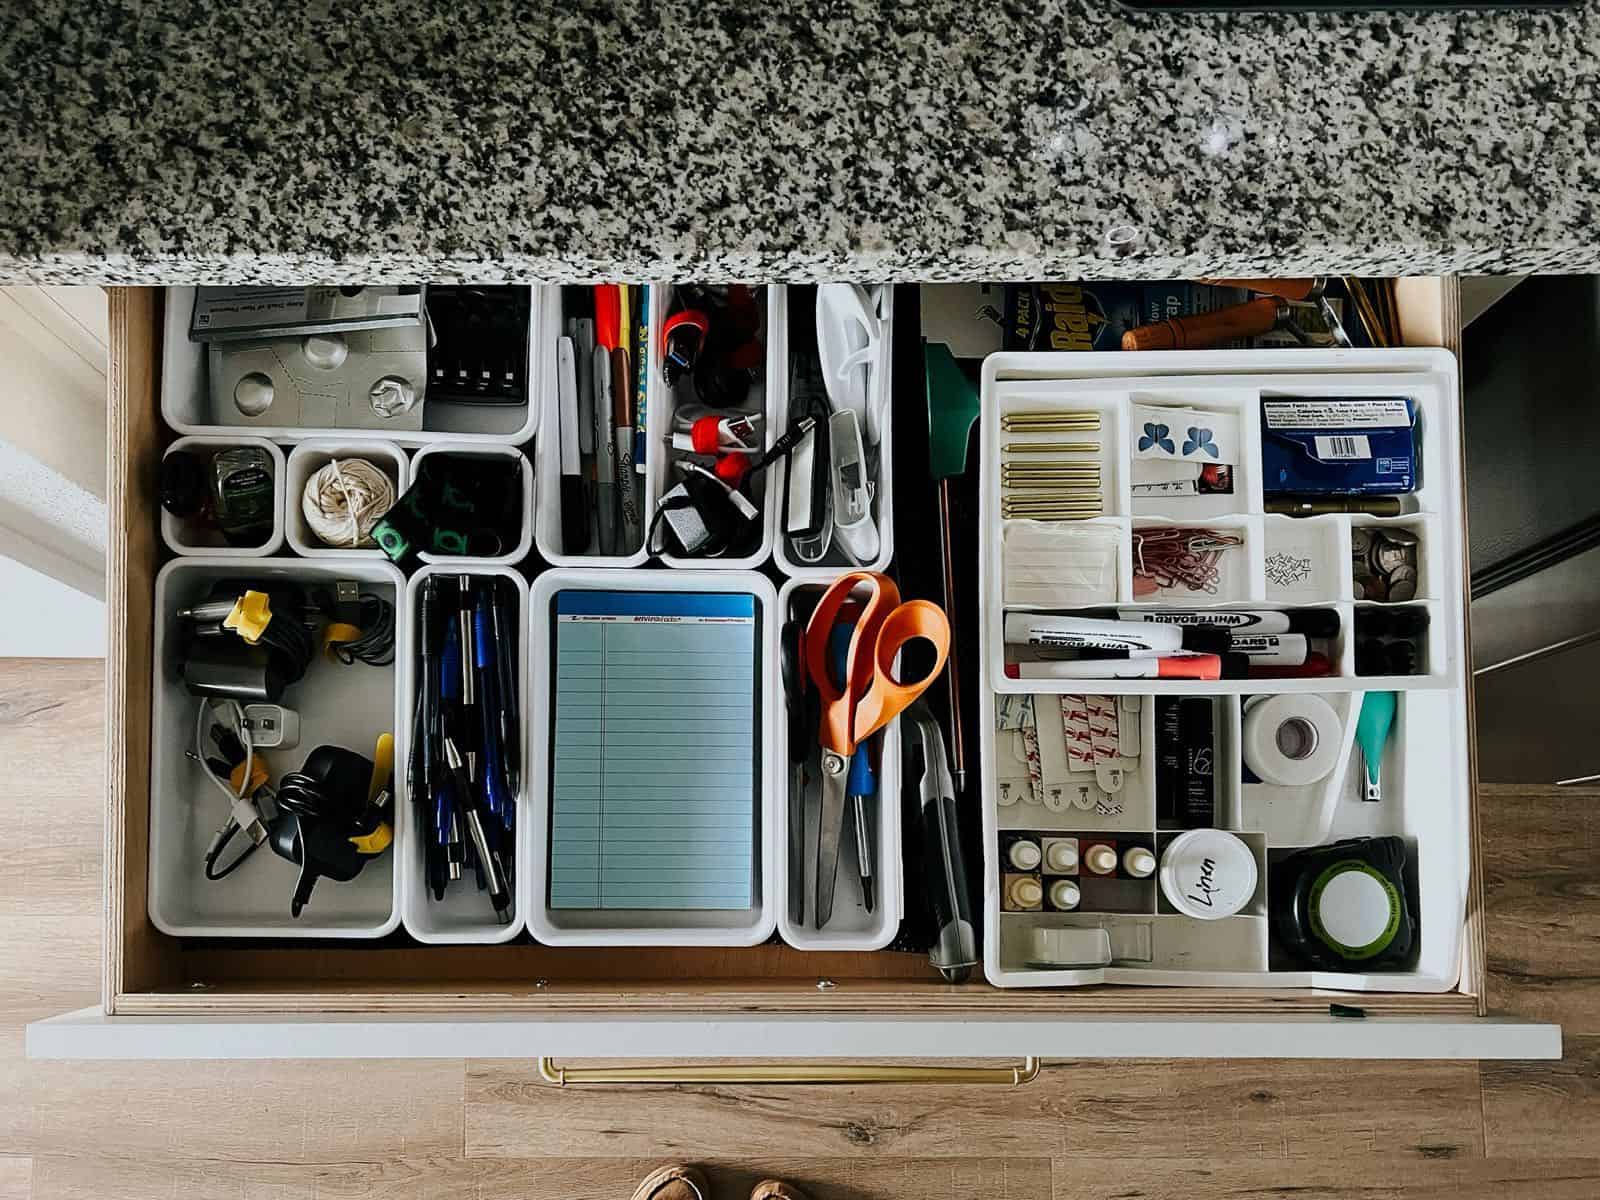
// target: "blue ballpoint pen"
[[861, 782], [496, 790], [447, 806]]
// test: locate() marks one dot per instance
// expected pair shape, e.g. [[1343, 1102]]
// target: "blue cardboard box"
[[1339, 445]]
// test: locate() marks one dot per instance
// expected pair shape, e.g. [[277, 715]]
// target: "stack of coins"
[[1045, 481], [1384, 563]]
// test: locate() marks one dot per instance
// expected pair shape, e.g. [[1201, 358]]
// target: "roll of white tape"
[[1291, 740]]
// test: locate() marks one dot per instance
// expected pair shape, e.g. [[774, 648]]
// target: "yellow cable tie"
[[250, 616]]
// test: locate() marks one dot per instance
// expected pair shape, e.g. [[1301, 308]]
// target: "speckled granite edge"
[[172, 141], [905, 266]]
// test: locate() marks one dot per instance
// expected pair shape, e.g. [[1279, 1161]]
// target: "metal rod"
[[1089, 419], [809, 1072], [1051, 510], [1049, 468], [1050, 448], [1052, 477], [952, 676]]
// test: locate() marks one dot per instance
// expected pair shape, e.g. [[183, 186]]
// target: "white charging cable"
[[243, 813]]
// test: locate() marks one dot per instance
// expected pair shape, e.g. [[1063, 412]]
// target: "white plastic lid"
[[1062, 855], [1024, 855], [1065, 894], [1102, 859], [1207, 873], [1139, 862], [1026, 891]]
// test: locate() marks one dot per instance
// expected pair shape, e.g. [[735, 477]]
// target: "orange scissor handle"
[[872, 696]]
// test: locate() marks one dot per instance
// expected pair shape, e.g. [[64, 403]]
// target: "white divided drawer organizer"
[[1425, 779], [200, 969]]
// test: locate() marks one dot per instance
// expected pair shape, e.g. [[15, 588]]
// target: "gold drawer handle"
[[789, 1072]]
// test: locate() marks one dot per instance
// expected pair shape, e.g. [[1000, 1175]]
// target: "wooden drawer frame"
[[219, 999]]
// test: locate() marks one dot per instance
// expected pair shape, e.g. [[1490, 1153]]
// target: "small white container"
[[547, 512], [1235, 404], [1306, 559], [187, 407], [464, 915], [771, 398], [1237, 380], [631, 927], [851, 927], [1065, 895], [1033, 575], [1425, 528], [1025, 855], [309, 457], [338, 705], [184, 537], [1208, 874], [469, 450], [1240, 580], [883, 498]]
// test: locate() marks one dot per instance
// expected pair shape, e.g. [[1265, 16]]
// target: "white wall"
[[40, 618], [53, 438]]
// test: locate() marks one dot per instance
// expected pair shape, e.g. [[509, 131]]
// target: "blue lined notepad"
[[655, 780]]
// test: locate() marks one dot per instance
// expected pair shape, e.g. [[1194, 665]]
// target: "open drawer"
[[166, 996]]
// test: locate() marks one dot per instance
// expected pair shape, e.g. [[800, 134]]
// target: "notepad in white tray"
[[655, 772]]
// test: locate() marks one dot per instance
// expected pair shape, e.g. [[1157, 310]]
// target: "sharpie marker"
[[1262, 649], [1091, 633], [1312, 622], [1271, 649], [1185, 666], [1315, 666]]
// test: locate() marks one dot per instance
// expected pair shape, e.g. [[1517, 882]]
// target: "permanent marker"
[[1184, 666]]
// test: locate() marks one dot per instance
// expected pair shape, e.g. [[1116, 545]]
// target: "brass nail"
[[1051, 448]]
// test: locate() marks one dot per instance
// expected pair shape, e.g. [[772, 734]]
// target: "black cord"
[[216, 852], [303, 795], [375, 646], [375, 617], [287, 635]]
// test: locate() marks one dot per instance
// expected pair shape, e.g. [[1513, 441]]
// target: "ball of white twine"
[[344, 500]]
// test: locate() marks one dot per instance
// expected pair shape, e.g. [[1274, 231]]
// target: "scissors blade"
[[830, 827], [797, 834]]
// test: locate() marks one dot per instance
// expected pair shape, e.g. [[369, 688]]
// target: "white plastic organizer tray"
[[1424, 773], [340, 705], [779, 317], [188, 407], [637, 927], [851, 927], [464, 915]]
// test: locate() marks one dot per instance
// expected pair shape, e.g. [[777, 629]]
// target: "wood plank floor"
[[482, 1130]]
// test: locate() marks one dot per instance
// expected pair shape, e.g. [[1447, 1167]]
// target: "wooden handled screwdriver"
[[1249, 319]]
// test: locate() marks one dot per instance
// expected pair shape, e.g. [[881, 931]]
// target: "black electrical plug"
[[325, 824]]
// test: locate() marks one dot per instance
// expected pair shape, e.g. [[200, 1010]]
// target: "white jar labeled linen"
[[1208, 874]]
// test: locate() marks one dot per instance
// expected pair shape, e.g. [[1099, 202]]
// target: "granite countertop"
[[174, 140]]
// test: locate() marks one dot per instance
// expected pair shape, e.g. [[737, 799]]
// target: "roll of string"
[[344, 499]]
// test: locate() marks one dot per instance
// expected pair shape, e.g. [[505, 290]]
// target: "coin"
[[1368, 587], [1389, 557], [1401, 537], [1403, 583], [1360, 544]]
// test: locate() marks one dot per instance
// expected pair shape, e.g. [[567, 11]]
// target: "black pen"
[[469, 677], [426, 729], [505, 650]]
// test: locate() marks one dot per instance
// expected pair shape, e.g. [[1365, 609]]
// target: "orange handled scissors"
[[852, 664]]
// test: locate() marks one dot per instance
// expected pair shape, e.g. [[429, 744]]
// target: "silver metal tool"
[[954, 950], [830, 826]]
